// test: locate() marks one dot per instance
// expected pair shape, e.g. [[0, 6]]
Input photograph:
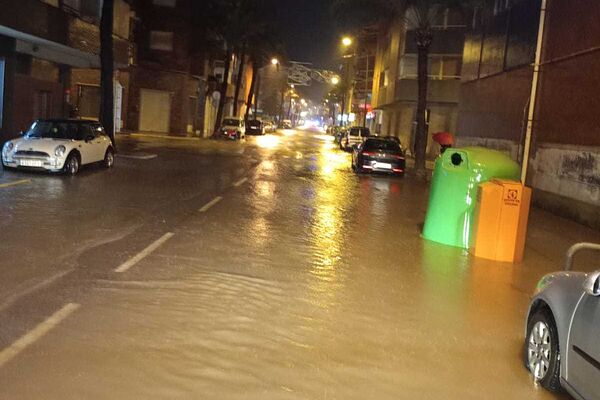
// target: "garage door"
[[155, 110]]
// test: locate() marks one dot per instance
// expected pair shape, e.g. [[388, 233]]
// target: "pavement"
[[262, 269]]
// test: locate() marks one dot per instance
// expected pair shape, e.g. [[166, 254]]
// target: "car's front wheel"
[[72, 165], [109, 158], [542, 355]]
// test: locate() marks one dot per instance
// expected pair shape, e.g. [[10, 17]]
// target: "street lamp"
[[335, 80], [346, 41], [274, 61]]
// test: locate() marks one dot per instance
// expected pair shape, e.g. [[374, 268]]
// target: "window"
[[500, 6], [438, 67], [164, 3], [161, 40]]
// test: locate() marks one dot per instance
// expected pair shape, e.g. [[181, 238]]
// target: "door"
[[583, 364], [88, 101], [42, 105], [155, 110], [118, 106], [87, 148]]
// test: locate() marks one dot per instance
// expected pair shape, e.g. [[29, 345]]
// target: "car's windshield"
[[57, 130], [359, 132], [232, 122], [382, 145]]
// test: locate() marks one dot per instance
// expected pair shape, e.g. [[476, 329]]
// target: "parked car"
[[378, 155], [562, 339], [59, 145], [233, 128], [340, 133], [270, 126], [353, 137], [255, 127]]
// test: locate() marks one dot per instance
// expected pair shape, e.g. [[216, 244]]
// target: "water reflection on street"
[[305, 282]]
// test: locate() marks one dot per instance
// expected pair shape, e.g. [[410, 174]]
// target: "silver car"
[[562, 342], [353, 137]]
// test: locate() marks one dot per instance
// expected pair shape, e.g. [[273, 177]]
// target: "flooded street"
[[256, 270]]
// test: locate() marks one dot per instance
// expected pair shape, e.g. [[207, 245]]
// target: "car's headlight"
[[60, 151], [8, 146]]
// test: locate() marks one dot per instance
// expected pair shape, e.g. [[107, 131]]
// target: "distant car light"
[[60, 151]]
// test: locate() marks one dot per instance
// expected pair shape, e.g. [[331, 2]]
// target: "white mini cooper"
[[59, 146]]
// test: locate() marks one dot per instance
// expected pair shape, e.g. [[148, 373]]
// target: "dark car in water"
[[255, 127], [378, 155]]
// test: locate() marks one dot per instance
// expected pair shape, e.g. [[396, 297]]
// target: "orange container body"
[[501, 220]]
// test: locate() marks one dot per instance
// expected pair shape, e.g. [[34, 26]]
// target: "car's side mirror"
[[592, 284], [21, 133]]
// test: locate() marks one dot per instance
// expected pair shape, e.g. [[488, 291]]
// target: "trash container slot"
[[456, 159]]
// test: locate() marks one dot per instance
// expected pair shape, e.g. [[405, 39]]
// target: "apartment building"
[[49, 60], [394, 94]]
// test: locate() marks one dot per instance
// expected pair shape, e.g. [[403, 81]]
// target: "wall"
[[565, 154]]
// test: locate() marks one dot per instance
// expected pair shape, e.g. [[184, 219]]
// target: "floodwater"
[[303, 282]]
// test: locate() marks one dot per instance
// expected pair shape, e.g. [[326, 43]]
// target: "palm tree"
[[419, 16], [240, 75], [107, 100], [232, 23]]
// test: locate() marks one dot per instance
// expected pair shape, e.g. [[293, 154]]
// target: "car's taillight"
[[369, 153], [398, 157]]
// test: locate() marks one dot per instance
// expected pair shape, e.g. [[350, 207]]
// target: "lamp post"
[[346, 43]]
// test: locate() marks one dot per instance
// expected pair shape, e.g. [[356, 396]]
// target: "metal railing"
[[577, 248]]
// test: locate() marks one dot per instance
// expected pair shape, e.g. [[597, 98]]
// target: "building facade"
[[495, 97], [394, 94], [49, 60], [167, 81]]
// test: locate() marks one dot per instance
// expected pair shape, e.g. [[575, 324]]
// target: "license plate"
[[30, 163], [382, 165]]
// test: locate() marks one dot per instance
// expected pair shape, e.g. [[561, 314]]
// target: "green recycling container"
[[453, 197]]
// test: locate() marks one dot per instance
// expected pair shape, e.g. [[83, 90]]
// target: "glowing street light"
[[346, 41], [274, 61], [335, 80]]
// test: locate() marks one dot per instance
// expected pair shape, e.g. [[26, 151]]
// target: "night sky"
[[309, 33]]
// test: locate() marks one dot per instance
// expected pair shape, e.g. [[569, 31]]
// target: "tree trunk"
[[238, 81], [223, 91], [251, 92], [423, 43], [107, 101]]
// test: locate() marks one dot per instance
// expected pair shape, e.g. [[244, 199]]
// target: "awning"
[[51, 51]]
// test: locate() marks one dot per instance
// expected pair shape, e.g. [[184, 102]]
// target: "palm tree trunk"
[[423, 44], [223, 98], [251, 92], [107, 100], [238, 82]]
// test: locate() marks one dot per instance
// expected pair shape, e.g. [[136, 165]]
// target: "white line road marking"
[[15, 183], [144, 253], [211, 203], [36, 333], [138, 156], [240, 182]]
